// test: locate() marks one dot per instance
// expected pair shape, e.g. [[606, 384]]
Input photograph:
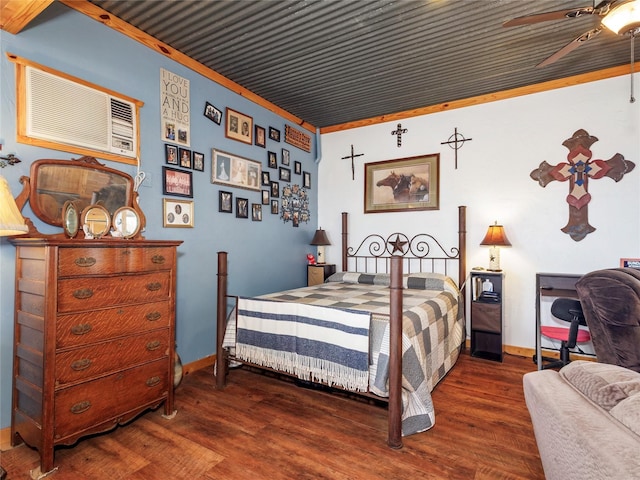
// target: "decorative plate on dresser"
[[92, 315]]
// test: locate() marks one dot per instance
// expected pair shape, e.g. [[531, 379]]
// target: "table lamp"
[[495, 238], [11, 221], [320, 240]]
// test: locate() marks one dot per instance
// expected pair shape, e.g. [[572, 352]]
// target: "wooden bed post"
[[345, 239], [395, 355], [462, 250], [221, 360]]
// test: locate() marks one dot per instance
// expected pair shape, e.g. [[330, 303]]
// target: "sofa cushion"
[[604, 384], [627, 412]]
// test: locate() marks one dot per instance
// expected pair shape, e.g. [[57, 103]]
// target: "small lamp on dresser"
[[495, 238], [11, 221], [320, 240]]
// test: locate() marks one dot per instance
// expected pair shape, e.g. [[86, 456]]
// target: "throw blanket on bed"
[[321, 344]]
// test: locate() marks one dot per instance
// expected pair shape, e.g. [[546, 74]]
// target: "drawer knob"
[[83, 293], [153, 316], [157, 259], [79, 365], [80, 407], [153, 381], [153, 345], [154, 286], [85, 261], [81, 329]]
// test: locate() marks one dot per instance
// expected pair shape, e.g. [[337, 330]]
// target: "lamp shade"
[[11, 221], [496, 237], [623, 18], [320, 238]]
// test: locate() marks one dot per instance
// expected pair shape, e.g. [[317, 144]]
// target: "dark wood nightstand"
[[487, 315], [317, 274]]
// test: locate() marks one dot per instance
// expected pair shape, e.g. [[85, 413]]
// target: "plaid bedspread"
[[433, 330]]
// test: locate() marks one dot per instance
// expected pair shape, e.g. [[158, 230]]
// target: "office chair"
[[569, 310]]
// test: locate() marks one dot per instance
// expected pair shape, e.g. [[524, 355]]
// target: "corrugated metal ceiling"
[[333, 62]]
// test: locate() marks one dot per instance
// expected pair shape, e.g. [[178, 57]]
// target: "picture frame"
[[275, 208], [225, 201], [235, 171], [275, 189], [274, 134], [297, 167], [630, 263], [266, 179], [239, 126], [184, 157], [260, 137], [285, 174], [306, 180], [242, 207], [256, 212], [272, 159], [177, 213], [265, 197], [212, 113], [401, 185], [177, 182], [198, 161], [171, 154], [286, 157]]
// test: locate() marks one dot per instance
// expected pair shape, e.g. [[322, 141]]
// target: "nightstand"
[[487, 315], [317, 274]]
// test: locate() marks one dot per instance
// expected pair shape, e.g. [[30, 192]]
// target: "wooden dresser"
[[94, 337]]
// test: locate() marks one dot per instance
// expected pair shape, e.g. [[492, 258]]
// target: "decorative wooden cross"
[[352, 156], [399, 131], [579, 169], [458, 142]]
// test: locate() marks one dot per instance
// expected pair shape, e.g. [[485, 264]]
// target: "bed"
[[390, 325]]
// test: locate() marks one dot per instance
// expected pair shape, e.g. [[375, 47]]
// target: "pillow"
[[604, 384], [430, 281], [627, 412], [364, 278]]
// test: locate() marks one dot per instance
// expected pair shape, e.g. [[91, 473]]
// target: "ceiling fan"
[[620, 16]]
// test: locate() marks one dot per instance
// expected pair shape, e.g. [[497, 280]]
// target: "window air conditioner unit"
[[63, 111]]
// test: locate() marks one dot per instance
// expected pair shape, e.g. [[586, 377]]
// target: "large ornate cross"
[[399, 131], [578, 170], [352, 156]]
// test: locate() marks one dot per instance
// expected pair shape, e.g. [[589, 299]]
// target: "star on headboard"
[[398, 245]]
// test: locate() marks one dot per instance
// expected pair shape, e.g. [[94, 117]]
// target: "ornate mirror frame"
[[84, 182]]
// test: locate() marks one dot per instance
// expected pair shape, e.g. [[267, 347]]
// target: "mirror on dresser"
[[84, 182]]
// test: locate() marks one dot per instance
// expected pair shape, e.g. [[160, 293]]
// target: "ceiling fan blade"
[[570, 47], [546, 16]]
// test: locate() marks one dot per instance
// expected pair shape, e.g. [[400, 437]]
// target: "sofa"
[[586, 420]]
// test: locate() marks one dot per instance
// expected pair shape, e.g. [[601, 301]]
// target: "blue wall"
[[263, 256]]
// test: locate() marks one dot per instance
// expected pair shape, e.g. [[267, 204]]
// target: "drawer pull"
[[79, 365], [81, 407], [157, 259], [153, 316], [81, 329], [153, 287], [154, 345], [153, 381], [83, 293], [85, 261]]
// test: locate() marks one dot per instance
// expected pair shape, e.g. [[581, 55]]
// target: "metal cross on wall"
[[458, 142], [352, 156], [399, 131], [578, 170]]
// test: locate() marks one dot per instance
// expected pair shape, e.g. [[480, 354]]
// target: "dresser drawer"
[[101, 261], [83, 328], [94, 360], [87, 293], [83, 406]]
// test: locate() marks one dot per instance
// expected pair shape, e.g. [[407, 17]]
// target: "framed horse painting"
[[402, 185]]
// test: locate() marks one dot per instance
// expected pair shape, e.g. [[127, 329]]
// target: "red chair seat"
[[561, 333]]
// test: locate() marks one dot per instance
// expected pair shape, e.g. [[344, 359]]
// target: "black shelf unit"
[[487, 315]]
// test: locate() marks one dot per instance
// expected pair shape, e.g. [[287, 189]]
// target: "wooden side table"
[[317, 274]]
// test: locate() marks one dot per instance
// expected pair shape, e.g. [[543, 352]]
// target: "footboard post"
[[221, 317], [395, 355]]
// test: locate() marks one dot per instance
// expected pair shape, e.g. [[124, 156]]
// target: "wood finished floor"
[[261, 427]]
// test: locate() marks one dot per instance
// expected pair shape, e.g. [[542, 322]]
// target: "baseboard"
[[5, 439]]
